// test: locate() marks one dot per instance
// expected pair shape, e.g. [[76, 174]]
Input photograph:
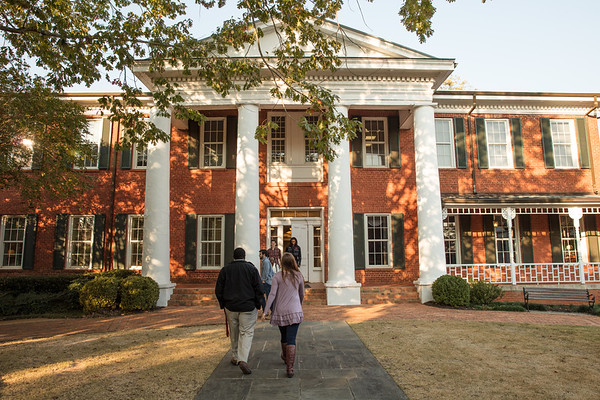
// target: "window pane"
[[450, 239], [375, 142], [568, 238], [80, 241], [213, 138], [211, 233], [136, 240], [377, 240], [13, 233], [499, 146], [93, 139], [278, 140], [563, 141]]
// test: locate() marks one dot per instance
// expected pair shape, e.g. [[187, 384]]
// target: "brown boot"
[[283, 346], [290, 356]]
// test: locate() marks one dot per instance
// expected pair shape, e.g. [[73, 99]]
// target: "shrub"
[[39, 283], [120, 273], [483, 293], [451, 290], [38, 303], [100, 294], [138, 293]]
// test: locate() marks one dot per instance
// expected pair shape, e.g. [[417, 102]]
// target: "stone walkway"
[[331, 363]]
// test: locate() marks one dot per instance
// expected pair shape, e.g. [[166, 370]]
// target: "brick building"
[[484, 185]]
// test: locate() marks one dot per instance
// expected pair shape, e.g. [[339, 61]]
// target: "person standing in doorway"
[[239, 292], [274, 256], [295, 250], [266, 275], [287, 295]]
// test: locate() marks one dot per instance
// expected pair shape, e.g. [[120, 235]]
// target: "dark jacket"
[[296, 252], [239, 287]]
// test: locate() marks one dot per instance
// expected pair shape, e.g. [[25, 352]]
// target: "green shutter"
[[98, 245], [359, 241], [394, 141], [489, 239], [231, 140], [466, 239], [356, 147], [398, 240], [547, 143], [482, 154], [120, 241], [104, 158], [191, 242], [229, 237], [460, 142], [60, 239], [591, 233], [126, 155], [517, 141], [555, 241], [29, 245], [582, 141], [193, 145], [526, 239]]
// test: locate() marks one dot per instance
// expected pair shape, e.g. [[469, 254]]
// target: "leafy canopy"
[[51, 45]]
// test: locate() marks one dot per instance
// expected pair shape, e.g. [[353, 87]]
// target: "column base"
[[424, 290], [343, 294], [165, 292]]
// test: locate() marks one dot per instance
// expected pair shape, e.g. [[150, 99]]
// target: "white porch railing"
[[527, 273]]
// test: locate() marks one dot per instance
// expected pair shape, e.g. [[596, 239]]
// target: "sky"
[[499, 45]]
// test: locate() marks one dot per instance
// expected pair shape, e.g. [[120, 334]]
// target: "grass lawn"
[[481, 360], [143, 364]]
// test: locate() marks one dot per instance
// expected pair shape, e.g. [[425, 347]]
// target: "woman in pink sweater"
[[287, 294]]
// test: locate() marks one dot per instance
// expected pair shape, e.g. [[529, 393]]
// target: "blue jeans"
[[288, 333], [267, 289]]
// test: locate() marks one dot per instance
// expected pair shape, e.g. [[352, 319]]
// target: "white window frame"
[[573, 144], [135, 155], [223, 143], [310, 151], [199, 263], [388, 241], [451, 143], [507, 143], [281, 127], [565, 240], [456, 239], [95, 128], [386, 153], [131, 240], [497, 219], [71, 242], [3, 241]]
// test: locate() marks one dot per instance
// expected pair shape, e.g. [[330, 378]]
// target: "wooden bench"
[[558, 294]]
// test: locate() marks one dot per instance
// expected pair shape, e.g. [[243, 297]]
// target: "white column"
[[156, 255], [342, 288], [576, 213], [432, 260], [247, 223], [508, 214]]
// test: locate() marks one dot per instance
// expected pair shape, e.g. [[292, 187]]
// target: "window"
[[81, 234], [278, 139], [375, 143], [23, 153], [444, 138], [502, 240], [140, 156], [213, 143], [499, 143], [211, 238], [568, 239], [13, 238], [378, 240], [451, 239], [135, 235], [564, 143], [310, 151], [93, 140]]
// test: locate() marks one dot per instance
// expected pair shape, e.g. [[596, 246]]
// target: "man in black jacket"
[[239, 292]]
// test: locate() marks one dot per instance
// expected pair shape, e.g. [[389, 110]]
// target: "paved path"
[[331, 364]]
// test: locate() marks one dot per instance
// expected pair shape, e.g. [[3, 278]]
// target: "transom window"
[[564, 143], [444, 138], [451, 239], [378, 240], [81, 234], [568, 238], [213, 142], [211, 238], [136, 241], [499, 143], [502, 240], [278, 139], [13, 237], [375, 143]]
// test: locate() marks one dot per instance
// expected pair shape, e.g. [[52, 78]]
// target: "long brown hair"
[[289, 266]]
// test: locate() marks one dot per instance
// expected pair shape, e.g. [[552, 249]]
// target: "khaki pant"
[[241, 332]]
